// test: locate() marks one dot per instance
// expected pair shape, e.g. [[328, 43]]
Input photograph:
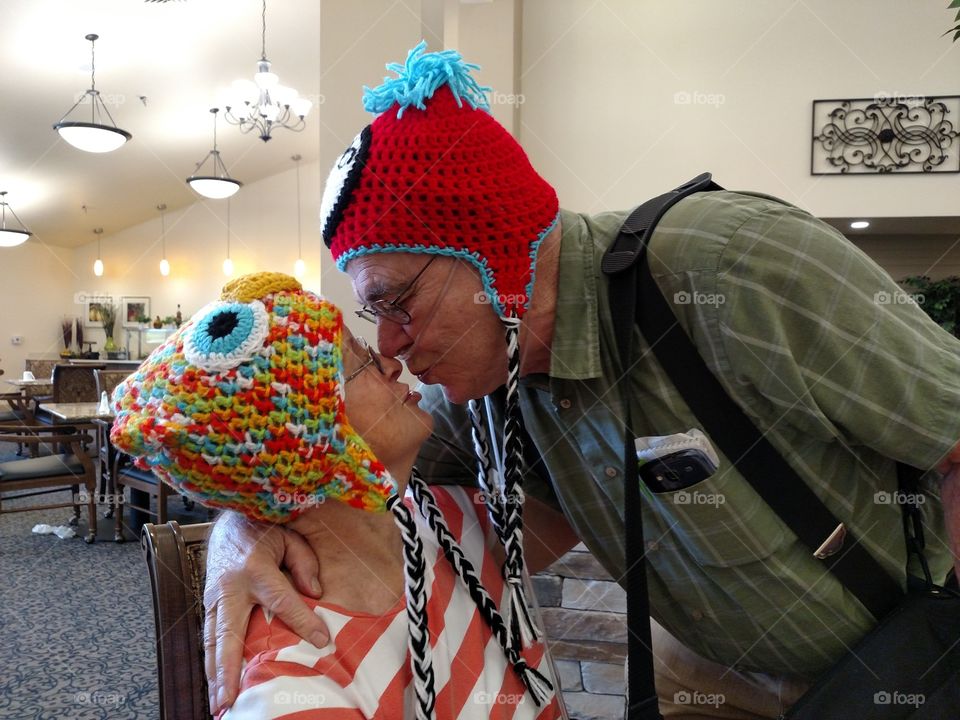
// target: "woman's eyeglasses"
[[372, 359], [390, 309]]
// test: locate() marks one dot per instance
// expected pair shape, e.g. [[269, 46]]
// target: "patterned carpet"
[[76, 620]]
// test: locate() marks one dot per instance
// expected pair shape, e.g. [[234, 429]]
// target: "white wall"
[[36, 282], [600, 78]]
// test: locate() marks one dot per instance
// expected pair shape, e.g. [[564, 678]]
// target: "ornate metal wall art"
[[886, 134]]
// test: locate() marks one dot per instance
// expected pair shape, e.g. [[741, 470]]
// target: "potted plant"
[[108, 316], [66, 328]]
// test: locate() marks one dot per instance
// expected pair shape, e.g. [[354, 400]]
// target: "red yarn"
[[448, 177]]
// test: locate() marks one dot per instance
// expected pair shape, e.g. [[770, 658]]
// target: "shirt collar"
[[575, 350]]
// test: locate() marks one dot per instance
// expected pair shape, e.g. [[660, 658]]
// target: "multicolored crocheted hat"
[[435, 173], [243, 407]]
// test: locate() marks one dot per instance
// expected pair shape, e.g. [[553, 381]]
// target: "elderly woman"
[[265, 403]]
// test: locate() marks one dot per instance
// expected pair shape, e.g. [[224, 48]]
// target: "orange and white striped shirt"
[[364, 671]]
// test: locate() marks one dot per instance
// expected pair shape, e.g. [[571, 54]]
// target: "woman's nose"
[[391, 367]]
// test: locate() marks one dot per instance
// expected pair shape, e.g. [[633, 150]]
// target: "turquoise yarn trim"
[[534, 248], [420, 77]]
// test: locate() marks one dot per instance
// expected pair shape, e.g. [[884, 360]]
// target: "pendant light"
[[263, 103], [98, 265], [299, 267], [219, 185], [164, 263], [11, 237], [95, 136], [228, 263]]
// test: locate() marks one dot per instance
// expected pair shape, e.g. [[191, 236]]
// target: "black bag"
[[909, 665]]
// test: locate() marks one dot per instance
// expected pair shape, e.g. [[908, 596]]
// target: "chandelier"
[[219, 184], [264, 104], [95, 136], [11, 237]]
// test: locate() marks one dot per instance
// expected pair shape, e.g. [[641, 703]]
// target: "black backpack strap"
[[619, 263]]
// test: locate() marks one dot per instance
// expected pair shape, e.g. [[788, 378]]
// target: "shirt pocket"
[[720, 521]]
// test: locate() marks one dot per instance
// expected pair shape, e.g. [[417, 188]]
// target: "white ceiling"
[[181, 56]]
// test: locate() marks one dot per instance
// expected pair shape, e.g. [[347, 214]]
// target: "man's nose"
[[391, 339]]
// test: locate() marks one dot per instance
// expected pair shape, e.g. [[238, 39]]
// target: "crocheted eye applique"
[[343, 178], [226, 334]]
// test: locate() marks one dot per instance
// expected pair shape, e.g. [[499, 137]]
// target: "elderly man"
[[477, 280]]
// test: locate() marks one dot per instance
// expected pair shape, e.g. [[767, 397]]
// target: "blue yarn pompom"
[[420, 77]]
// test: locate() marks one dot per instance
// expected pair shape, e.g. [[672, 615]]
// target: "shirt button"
[[696, 615], [653, 545], [565, 403], [610, 471]]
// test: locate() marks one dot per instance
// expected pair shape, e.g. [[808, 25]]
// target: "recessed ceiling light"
[[859, 225]]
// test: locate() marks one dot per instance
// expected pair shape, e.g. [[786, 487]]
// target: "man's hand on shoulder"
[[243, 570]]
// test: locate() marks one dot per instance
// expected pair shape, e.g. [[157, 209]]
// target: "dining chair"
[[125, 475], [176, 561], [70, 469]]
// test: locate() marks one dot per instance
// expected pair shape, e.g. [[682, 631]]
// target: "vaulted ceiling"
[[160, 66]]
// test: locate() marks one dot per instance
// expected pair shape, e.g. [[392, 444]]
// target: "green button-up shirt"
[[819, 347]]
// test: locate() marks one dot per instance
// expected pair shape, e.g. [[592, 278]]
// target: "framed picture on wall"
[[91, 310], [134, 310]]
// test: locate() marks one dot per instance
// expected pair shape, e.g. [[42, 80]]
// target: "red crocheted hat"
[[435, 173]]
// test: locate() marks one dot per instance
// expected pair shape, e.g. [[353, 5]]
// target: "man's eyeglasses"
[[390, 309], [372, 359]]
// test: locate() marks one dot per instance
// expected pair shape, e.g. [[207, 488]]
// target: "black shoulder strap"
[[620, 263], [726, 424]]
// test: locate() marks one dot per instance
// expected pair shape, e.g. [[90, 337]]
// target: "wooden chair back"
[[176, 560], [107, 380], [75, 383]]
